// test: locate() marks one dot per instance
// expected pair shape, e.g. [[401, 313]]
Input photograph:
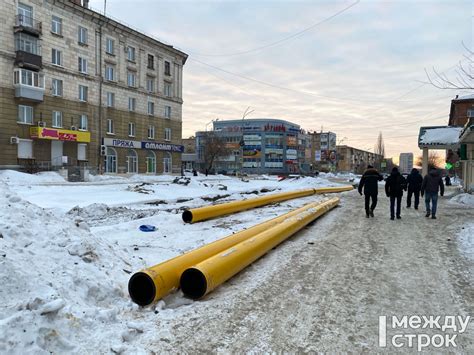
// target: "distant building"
[[258, 146], [406, 162], [354, 160], [323, 152]]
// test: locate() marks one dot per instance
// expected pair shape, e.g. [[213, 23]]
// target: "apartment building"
[[350, 159], [81, 89], [323, 153]]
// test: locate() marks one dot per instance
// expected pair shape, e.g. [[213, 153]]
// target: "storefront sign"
[[124, 143], [59, 134], [163, 146], [252, 153]]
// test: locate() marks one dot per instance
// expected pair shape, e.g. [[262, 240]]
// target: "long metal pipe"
[[151, 284], [208, 212], [202, 278]]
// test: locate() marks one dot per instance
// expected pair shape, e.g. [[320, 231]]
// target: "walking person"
[[369, 182], [394, 187], [432, 183], [414, 181]]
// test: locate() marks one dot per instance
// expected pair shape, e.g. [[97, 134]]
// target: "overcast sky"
[[351, 67]]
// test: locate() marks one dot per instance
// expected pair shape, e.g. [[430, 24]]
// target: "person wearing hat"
[[369, 182], [394, 187]]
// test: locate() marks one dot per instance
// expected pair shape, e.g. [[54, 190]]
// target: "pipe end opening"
[[187, 216], [193, 283], [142, 289]]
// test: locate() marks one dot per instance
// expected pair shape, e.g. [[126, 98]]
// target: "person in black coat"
[[369, 182], [394, 187], [414, 181], [432, 183]]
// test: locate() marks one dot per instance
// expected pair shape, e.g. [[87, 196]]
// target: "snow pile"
[[12, 177], [466, 240], [464, 199], [62, 287], [445, 135]]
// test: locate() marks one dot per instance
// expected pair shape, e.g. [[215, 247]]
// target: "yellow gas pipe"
[[208, 212], [202, 278], [151, 284]]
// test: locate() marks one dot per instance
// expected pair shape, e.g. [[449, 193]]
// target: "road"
[[325, 288]]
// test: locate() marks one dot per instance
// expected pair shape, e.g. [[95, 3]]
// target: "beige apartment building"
[[78, 89]]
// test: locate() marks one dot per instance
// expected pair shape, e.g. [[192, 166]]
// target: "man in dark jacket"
[[414, 181], [394, 187], [432, 183], [369, 182]]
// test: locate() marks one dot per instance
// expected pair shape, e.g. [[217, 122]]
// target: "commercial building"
[[350, 159], [257, 146], [406, 162], [79, 89]]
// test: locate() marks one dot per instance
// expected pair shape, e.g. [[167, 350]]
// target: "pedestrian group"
[[395, 184]]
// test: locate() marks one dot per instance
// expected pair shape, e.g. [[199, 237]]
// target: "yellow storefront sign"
[[60, 134]]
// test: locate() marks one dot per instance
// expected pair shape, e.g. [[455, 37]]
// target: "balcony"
[[27, 24], [28, 85], [28, 60]]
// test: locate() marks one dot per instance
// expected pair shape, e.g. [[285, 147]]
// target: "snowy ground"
[[67, 251]]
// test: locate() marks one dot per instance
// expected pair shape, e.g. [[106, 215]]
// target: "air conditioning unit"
[[41, 124], [14, 140], [73, 128]]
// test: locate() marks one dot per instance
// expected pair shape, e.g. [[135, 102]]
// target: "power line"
[[272, 44]]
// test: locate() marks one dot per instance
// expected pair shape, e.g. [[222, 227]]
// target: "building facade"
[[323, 152], [406, 162], [80, 89], [350, 159], [257, 146]]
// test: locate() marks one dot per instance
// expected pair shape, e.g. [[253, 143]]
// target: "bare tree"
[[380, 146], [463, 79], [434, 161], [213, 148]]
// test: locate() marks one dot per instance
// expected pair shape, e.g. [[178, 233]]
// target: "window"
[[131, 54], [150, 85], [109, 73], [28, 78], [111, 161], [57, 25], [151, 132], [167, 68], [83, 93], [81, 152], [167, 111], [25, 114], [151, 62], [151, 108], [132, 161], [150, 162], [57, 119], [470, 113], [57, 57], [57, 87], [131, 129], [25, 15], [167, 89], [82, 35], [83, 123], [110, 126], [131, 79], [167, 134], [110, 99], [167, 163], [109, 46], [132, 104], [27, 43], [82, 65]]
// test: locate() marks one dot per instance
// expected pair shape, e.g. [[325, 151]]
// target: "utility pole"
[[242, 142]]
